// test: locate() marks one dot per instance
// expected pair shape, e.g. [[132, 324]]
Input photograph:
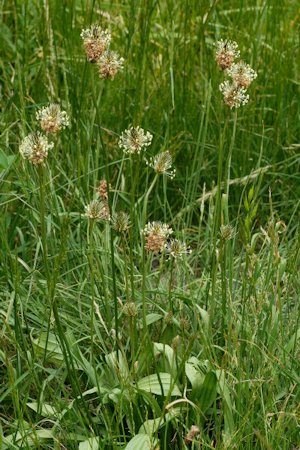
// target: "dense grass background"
[[217, 332]]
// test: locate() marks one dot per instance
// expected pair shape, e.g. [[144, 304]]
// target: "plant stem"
[[92, 278], [229, 157], [217, 222], [171, 287]]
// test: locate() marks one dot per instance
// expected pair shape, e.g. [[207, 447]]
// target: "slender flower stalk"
[[171, 285], [51, 279], [230, 151], [112, 249], [146, 199], [90, 242]]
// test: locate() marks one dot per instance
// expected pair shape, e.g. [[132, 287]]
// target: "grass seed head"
[[52, 119], [35, 147]]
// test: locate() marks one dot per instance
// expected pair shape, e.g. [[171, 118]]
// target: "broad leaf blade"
[[140, 442], [92, 443], [162, 386], [208, 391]]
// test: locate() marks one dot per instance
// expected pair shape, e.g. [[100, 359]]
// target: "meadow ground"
[[116, 333]]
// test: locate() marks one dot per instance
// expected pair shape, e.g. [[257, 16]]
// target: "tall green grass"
[[101, 344]]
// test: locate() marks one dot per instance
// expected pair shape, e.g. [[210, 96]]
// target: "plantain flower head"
[[102, 190], [52, 119], [234, 96], [242, 74], [162, 163], [109, 64], [226, 232], [177, 248], [226, 53], [95, 41], [134, 140], [120, 221], [97, 210], [156, 235], [35, 147]]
